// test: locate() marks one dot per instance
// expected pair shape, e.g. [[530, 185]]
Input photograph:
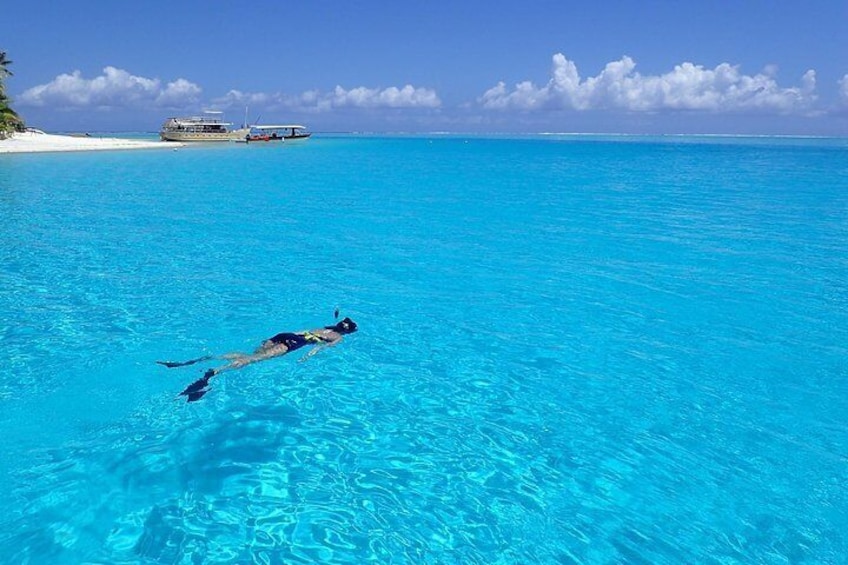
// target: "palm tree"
[[9, 122], [9, 119], [4, 72], [4, 63]]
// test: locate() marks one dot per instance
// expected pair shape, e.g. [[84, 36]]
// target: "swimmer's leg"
[[233, 355], [172, 364], [198, 388]]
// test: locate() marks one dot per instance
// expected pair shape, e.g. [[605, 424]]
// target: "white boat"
[[209, 127], [288, 132]]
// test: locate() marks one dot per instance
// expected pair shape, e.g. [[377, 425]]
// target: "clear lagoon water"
[[572, 349]]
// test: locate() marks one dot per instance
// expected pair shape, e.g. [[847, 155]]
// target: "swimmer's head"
[[346, 326]]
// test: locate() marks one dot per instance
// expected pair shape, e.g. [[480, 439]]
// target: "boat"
[[288, 132], [209, 127]]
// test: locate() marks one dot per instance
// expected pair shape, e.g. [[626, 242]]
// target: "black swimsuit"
[[290, 340], [294, 341]]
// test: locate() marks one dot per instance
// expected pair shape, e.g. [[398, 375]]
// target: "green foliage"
[[9, 122]]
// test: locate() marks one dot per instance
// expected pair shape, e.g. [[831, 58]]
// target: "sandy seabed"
[[40, 142]]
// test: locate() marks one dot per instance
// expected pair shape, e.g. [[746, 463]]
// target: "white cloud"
[[114, 88], [392, 97], [239, 98], [843, 89], [686, 87], [316, 101], [179, 93]]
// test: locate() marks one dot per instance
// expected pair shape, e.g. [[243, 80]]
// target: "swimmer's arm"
[[318, 348]]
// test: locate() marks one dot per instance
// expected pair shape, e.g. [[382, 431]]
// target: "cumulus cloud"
[[117, 88], [316, 101], [178, 93], [686, 87], [114, 88], [392, 97], [239, 99], [843, 89]]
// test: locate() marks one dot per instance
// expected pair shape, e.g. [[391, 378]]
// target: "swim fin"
[[197, 389], [194, 396]]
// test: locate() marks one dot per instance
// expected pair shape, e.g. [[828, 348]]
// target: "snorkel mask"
[[346, 326]]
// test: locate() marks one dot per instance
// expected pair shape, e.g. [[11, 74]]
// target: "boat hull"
[[286, 138], [189, 136], [299, 137]]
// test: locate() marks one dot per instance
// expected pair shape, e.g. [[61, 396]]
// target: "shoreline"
[[36, 141]]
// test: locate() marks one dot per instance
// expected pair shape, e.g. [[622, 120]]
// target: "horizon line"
[[511, 133]]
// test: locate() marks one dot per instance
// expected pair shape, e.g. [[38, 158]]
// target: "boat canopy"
[[279, 127], [201, 121]]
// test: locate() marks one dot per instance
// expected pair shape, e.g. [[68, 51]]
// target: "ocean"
[[571, 349]]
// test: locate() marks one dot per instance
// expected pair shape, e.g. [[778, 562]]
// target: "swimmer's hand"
[[318, 348], [312, 352]]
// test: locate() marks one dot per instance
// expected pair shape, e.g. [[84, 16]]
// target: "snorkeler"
[[275, 346]]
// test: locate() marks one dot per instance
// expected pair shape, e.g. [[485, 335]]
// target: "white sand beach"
[[36, 141]]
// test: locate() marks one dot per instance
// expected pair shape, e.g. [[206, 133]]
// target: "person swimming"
[[275, 346]]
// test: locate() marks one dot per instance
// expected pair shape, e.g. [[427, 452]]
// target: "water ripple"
[[593, 352]]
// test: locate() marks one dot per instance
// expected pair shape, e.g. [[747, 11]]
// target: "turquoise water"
[[571, 350]]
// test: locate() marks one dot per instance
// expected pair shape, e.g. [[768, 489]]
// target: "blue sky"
[[761, 67]]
